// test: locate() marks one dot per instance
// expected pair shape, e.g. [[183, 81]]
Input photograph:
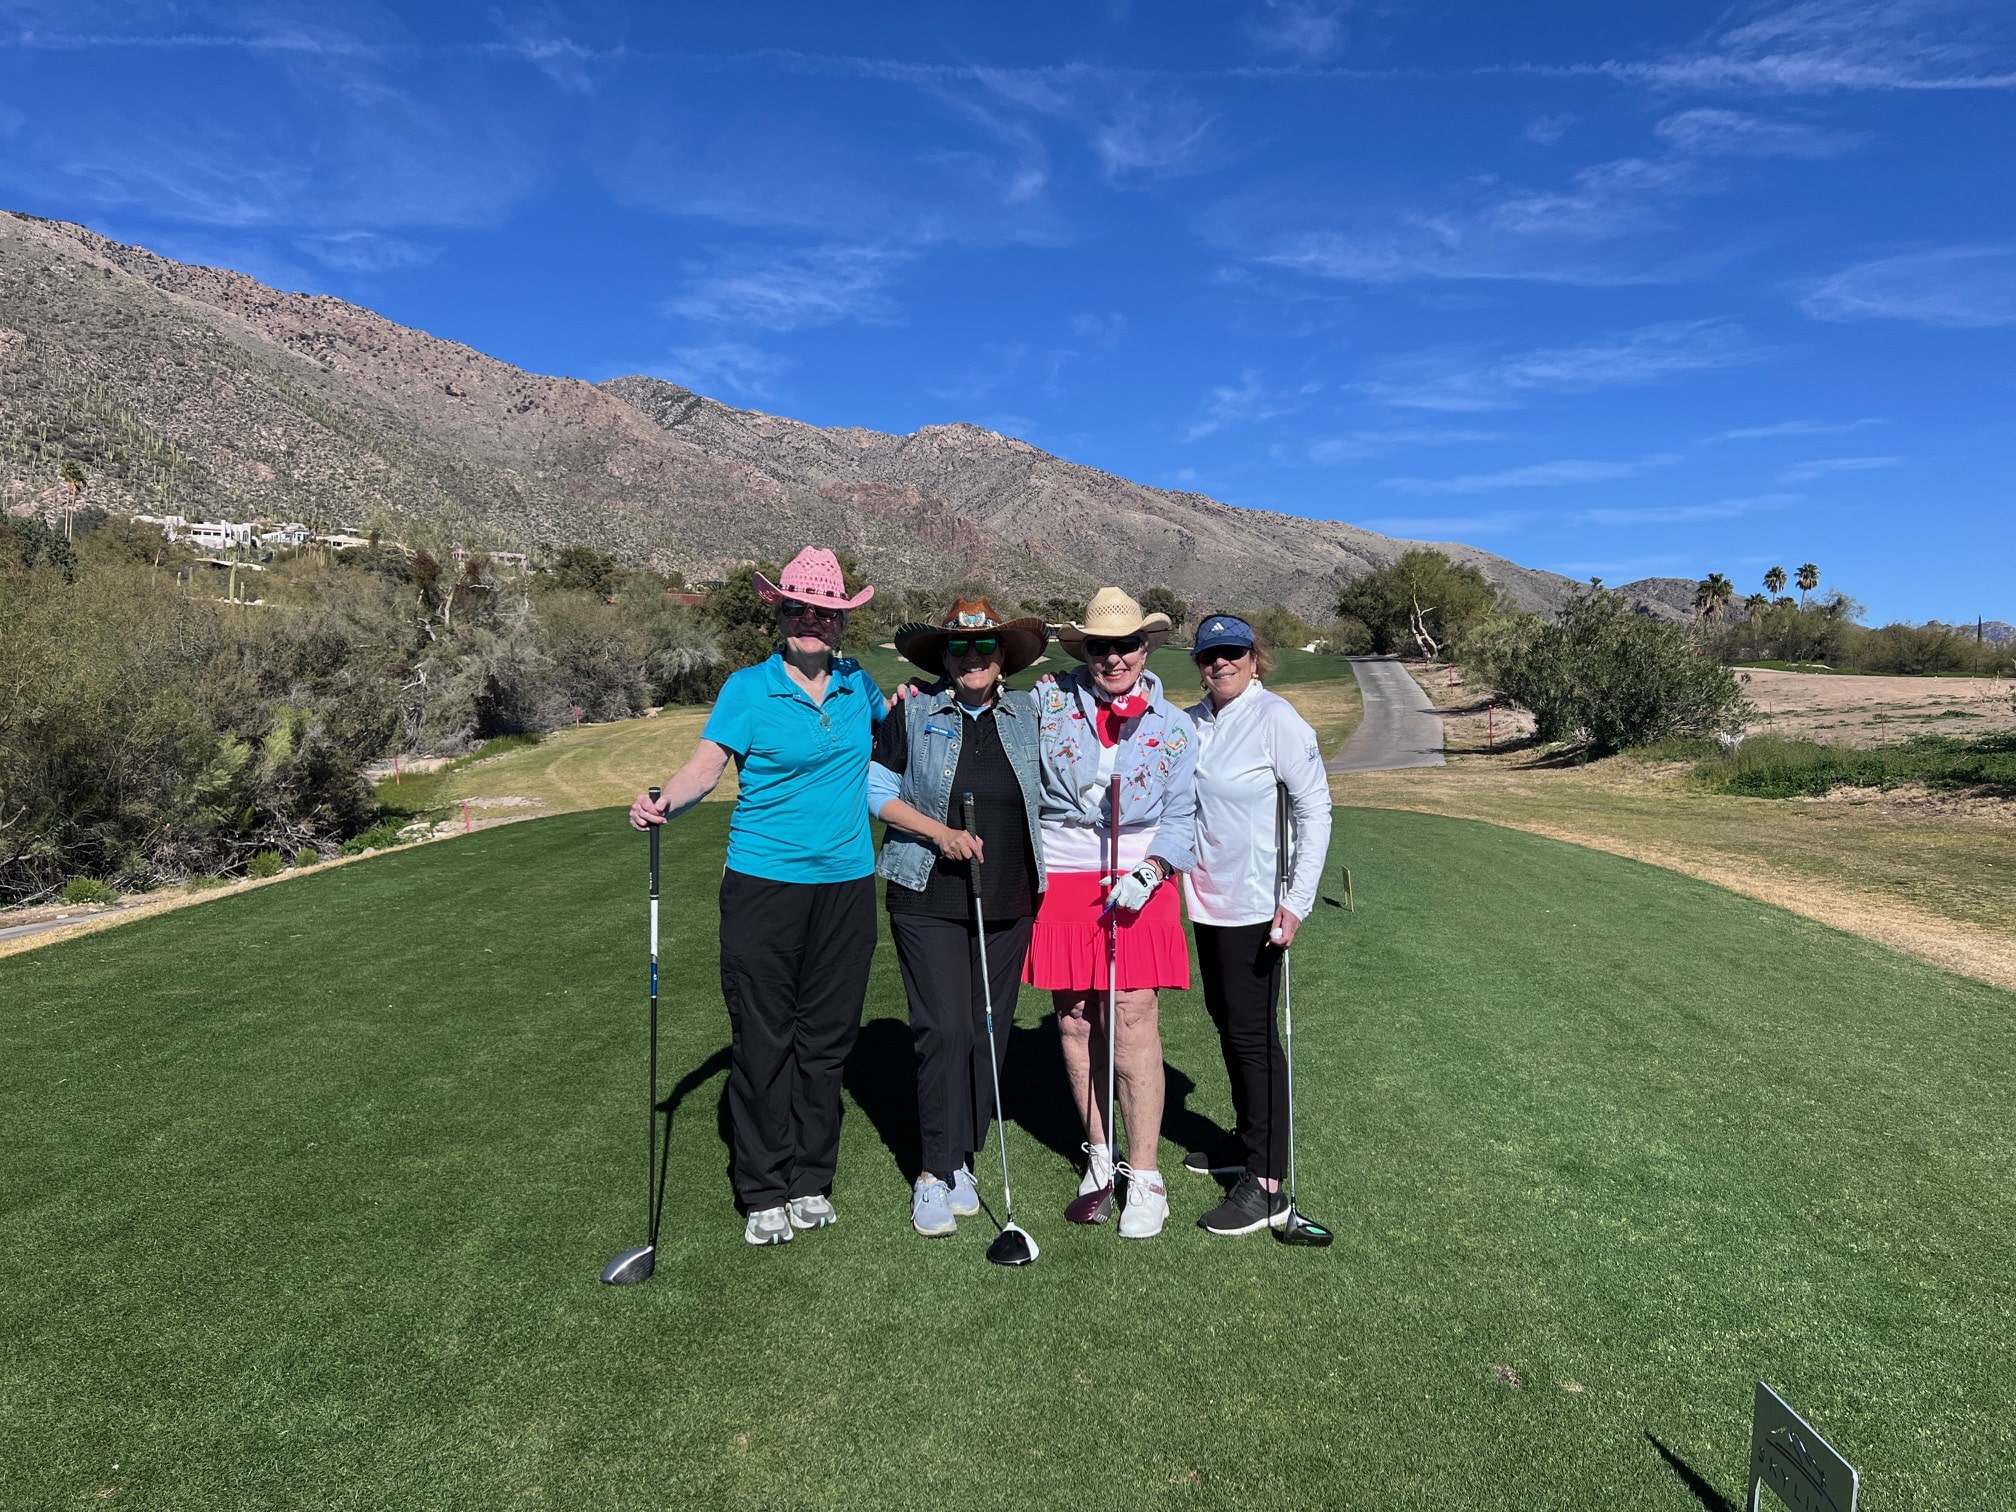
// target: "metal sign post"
[[1790, 1457]]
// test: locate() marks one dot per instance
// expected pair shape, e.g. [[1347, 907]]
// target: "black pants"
[[794, 971], [1242, 977], [948, 1024]]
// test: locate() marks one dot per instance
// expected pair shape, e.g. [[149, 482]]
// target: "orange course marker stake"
[[465, 816]]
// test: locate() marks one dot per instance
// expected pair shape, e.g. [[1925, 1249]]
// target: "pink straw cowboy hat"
[[811, 577]]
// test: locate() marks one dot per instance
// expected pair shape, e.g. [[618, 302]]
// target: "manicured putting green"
[[306, 1194]]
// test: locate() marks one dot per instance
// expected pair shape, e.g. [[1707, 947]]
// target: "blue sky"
[[1619, 290]]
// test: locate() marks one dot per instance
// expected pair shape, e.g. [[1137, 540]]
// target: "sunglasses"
[[1211, 655], [981, 645], [792, 609], [1100, 646]]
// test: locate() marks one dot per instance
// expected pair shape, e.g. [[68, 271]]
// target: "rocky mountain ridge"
[[201, 391]]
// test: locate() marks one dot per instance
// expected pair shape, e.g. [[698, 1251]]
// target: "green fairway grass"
[[306, 1192]]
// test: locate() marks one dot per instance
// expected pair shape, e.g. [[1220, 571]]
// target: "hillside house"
[[217, 535], [295, 534]]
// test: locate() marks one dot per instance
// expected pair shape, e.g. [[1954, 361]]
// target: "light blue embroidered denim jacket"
[[936, 729], [1156, 765]]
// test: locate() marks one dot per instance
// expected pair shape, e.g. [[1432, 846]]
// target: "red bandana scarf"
[[1112, 715]]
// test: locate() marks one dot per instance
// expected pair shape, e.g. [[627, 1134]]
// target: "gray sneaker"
[[931, 1208], [965, 1195], [767, 1226], [811, 1212]]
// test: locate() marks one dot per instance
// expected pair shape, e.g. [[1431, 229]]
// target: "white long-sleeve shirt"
[[1243, 749]]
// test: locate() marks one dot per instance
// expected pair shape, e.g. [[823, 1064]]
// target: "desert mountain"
[[202, 392]]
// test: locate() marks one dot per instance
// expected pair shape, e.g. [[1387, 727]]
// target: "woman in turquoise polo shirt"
[[798, 895]]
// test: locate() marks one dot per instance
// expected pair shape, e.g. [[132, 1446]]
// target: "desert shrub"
[[88, 890], [267, 863], [307, 856], [1606, 677], [1772, 768]]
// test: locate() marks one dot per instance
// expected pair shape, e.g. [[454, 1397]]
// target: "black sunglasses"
[[1212, 654], [1100, 646], [981, 645], [792, 609]]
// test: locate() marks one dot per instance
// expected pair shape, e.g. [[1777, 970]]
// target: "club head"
[[1012, 1246], [630, 1267], [1093, 1207], [1302, 1231]]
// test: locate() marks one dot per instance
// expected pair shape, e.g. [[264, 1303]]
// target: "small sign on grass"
[[1789, 1456]]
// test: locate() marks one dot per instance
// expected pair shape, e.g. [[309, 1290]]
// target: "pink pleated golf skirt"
[[1067, 951]]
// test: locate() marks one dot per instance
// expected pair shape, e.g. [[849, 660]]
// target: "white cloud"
[[1788, 428], [1307, 33], [1688, 514], [1964, 286], [1455, 384], [773, 289], [1546, 130], [729, 365], [1806, 472], [1821, 46], [1708, 132], [1247, 403], [366, 252], [567, 63], [1538, 475], [1356, 446]]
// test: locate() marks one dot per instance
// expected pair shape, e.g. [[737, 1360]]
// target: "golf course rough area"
[[306, 1192]]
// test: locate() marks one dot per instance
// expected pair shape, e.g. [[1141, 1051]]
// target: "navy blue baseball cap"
[[1222, 630]]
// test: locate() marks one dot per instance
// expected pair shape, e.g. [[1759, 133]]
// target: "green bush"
[[1606, 677], [306, 856], [205, 883], [379, 837], [267, 863], [88, 890]]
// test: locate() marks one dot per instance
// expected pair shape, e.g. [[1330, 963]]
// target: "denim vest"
[[936, 728]]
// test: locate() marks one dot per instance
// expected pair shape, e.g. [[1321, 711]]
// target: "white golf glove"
[[1130, 894]]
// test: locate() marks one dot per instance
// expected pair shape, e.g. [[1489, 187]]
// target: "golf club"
[[635, 1265], [1297, 1230], [1096, 1206], [1013, 1245]]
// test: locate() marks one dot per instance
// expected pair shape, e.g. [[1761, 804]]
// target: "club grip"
[[656, 794], [966, 808]]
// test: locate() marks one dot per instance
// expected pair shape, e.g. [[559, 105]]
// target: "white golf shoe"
[[767, 1226], [1147, 1206], [1098, 1168]]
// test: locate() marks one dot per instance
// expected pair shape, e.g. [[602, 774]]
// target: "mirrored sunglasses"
[[792, 609], [1126, 646], [979, 645]]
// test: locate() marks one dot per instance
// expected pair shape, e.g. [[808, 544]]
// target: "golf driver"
[[1297, 1230], [1013, 1245], [1096, 1206], [635, 1265]]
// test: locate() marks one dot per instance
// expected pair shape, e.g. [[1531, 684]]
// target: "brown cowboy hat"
[[1113, 615], [1022, 640]]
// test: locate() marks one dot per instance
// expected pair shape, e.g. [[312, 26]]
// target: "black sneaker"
[[1226, 1158], [1247, 1208]]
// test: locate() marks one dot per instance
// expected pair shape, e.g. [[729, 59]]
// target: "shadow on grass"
[[668, 1106], [1691, 1478]]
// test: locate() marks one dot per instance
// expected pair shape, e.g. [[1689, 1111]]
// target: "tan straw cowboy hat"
[[1022, 640], [1113, 615]]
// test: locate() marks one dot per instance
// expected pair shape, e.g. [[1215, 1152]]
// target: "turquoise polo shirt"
[[803, 813]]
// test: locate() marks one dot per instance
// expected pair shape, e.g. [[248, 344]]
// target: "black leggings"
[[1241, 968], [941, 976]]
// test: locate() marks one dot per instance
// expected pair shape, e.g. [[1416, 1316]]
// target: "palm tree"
[[1809, 579], [1774, 581], [1712, 595]]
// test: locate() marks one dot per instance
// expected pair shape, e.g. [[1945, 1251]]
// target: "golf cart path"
[[1401, 727]]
